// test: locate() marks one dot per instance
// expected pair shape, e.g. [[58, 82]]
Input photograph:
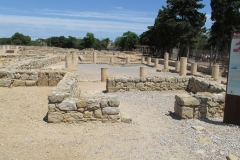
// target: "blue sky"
[[103, 18]]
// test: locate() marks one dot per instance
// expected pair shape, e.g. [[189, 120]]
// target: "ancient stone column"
[[149, 61], [143, 71], [4, 48], [104, 74], [74, 59], [177, 66], [156, 62], [8, 47], [166, 55], [183, 66], [194, 68], [111, 60], [17, 47], [68, 61], [94, 57], [215, 72], [127, 60], [143, 60]]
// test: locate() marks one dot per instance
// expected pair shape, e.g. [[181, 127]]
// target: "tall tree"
[[89, 40], [127, 41], [185, 20], [20, 39], [225, 15]]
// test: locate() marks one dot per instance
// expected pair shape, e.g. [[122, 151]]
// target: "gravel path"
[[152, 135]]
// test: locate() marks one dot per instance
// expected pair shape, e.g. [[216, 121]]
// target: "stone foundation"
[[66, 104], [200, 105], [30, 78], [118, 84]]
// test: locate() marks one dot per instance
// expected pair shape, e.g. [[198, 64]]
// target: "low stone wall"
[[198, 84], [118, 84], [35, 63], [30, 78], [200, 105], [66, 104], [190, 83]]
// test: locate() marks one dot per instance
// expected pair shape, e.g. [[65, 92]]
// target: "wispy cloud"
[[70, 24], [118, 7]]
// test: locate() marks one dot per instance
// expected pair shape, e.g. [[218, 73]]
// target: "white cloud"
[[135, 17], [70, 24]]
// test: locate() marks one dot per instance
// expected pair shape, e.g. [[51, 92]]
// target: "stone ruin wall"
[[30, 78], [67, 105], [118, 84], [35, 63], [200, 105], [206, 98]]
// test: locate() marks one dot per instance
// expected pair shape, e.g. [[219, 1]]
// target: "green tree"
[[225, 15], [89, 40], [20, 39], [127, 41]]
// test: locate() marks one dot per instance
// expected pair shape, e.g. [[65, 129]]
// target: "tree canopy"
[[20, 39], [127, 40]]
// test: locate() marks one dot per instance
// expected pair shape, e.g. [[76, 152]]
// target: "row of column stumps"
[[181, 66], [71, 60]]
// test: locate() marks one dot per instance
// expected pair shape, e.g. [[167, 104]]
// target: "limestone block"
[[185, 112], [87, 114], [43, 79], [104, 103], [111, 83], [33, 76], [54, 78], [81, 103], [56, 97], [125, 117], [98, 113], [17, 83], [139, 85], [3, 74], [112, 89], [55, 117], [10, 74], [24, 76], [17, 76], [113, 102], [114, 118], [184, 100], [31, 83], [212, 104], [5, 82], [110, 110], [70, 117], [93, 104], [68, 105], [52, 107]]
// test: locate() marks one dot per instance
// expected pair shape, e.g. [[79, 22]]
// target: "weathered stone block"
[[110, 110], [113, 102], [17, 83], [125, 117], [10, 74], [71, 117], [93, 104], [139, 85], [43, 79], [5, 82], [81, 103], [31, 83], [52, 107], [184, 100], [56, 97], [104, 102], [55, 117], [24, 76], [112, 89], [68, 105], [87, 114], [98, 113], [185, 112], [3, 74]]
